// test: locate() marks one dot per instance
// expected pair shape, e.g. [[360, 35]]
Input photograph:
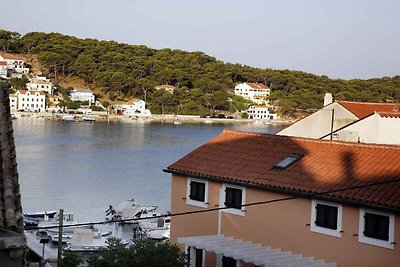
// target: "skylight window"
[[287, 161]]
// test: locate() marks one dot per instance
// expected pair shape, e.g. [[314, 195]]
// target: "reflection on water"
[[84, 167]]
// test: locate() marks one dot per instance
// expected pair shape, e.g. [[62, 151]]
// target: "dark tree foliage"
[[204, 83]]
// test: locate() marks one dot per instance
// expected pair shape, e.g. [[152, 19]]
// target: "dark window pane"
[[376, 226], [326, 216], [197, 191], [228, 262], [199, 258], [233, 198]]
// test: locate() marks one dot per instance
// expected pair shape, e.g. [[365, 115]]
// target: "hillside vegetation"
[[126, 71]]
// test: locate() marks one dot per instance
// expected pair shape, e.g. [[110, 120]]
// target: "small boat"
[[66, 239], [208, 121], [88, 119], [177, 122], [160, 231], [129, 210], [45, 215], [68, 118]]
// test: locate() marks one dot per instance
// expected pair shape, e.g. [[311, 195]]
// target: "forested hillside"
[[205, 83]]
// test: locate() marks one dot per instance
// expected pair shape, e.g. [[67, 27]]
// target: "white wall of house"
[[318, 124], [31, 100], [18, 65], [256, 95], [261, 113], [133, 106], [13, 102], [40, 86], [372, 129], [3, 70], [82, 95]]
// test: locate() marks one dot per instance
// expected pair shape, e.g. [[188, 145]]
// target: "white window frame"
[[196, 202], [323, 230], [232, 210], [373, 241]]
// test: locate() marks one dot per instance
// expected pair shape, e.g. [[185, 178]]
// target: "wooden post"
[[332, 121], [60, 235]]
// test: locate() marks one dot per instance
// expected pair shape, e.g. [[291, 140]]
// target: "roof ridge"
[[312, 140], [366, 103]]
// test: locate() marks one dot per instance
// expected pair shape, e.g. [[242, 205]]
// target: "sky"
[[339, 38]]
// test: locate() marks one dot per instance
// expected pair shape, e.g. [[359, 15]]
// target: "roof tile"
[[325, 165]]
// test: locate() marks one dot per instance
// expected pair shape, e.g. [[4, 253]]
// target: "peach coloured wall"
[[281, 225]]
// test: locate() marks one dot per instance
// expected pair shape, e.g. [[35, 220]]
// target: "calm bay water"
[[84, 167]]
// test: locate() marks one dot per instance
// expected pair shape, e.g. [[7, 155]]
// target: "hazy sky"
[[338, 38]]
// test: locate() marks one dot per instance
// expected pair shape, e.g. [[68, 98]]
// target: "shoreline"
[[177, 119]]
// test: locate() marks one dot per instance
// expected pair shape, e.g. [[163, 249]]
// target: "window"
[[287, 161], [197, 192], [233, 197], [326, 218], [376, 228], [228, 262]]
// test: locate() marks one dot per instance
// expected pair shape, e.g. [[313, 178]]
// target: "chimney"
[[328, 99]]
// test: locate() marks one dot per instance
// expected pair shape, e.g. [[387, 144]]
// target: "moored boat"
[[68, 118]]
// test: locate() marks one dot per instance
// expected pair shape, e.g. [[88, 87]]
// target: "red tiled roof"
[[362, 109], [22, 92], [249, 158], [3, 63], [389, 114], [257, 86], [11, 57]]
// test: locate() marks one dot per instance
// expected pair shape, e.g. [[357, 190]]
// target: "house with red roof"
[[31, 100], [251, 199], [256, 92], [15, 64], [336, 116]]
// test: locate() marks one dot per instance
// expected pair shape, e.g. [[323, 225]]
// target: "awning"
[[249, 252]]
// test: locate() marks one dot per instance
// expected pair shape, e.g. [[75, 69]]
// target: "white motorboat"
[[160, 231], [68, 219], [88, 119], [68, 118], [177, 122]]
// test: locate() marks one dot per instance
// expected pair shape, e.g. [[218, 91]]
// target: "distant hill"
[[124, 71]]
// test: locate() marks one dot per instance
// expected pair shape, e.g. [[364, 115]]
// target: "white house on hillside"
[[261, 113], [14, 63], [3, 69], [82, 95], [13, 102], [40, 84], [255, 92], [31, 100], [169, 88], [132, 107]]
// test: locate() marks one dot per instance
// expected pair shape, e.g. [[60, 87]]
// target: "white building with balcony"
[[132, 107], [82, 95], [31, 100], [40, 84], [255, 92], [3, 69], [261, 113], [15, 64]]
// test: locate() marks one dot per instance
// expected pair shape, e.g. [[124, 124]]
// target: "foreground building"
[[334, 116], [287, 201], [12, 240]]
